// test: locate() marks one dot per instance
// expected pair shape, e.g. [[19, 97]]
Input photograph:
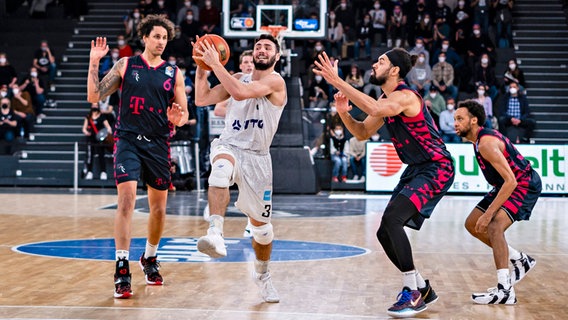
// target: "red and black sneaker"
[[122, 278], [151, 268]]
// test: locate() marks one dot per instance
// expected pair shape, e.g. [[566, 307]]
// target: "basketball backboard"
[[304, 19]]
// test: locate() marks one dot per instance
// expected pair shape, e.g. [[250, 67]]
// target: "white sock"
[[419, 280], [260, 266], [503, 278], [121, 254], [216, 224], [514, 254], [409, 280], [150, 250]]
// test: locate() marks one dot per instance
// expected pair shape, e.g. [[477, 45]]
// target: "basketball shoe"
[[497, 295], [409, 304], [151, 268], [212, 245], [122, 278], [267, 291], [521, 267], [247, 233], [428, 294]]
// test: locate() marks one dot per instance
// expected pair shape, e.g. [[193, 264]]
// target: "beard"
[[264, 66], [377, 80], [464, 132]]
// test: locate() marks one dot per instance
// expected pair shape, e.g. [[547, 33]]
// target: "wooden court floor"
[[361, 287]]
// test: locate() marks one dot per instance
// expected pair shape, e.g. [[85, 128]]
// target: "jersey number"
[[266, 212]]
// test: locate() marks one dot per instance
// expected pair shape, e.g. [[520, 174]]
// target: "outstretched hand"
[[176, 115], [327, 69], [206, 52], [99, 48], [341, 103]]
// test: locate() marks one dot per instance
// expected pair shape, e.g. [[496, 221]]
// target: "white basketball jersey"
[[250, 124]]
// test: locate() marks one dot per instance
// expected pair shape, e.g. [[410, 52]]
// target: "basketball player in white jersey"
[[241, 153]]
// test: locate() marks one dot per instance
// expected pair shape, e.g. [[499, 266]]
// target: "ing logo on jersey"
[[252, 123]]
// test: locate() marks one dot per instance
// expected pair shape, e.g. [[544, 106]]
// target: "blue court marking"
[[185, 250]]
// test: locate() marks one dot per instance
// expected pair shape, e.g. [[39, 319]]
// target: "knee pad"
[[262, 234], [221, 172]]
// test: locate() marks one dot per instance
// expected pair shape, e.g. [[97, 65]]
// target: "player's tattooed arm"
[[108, 85]]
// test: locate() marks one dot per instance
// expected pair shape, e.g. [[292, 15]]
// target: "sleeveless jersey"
[[520, 166], [250, 124], [416, 139], [146, 94]]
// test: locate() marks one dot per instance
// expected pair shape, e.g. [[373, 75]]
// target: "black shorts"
[[520, 204], [137, 156]]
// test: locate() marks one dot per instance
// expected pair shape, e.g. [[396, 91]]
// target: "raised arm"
[[362, 130], [99, 90]]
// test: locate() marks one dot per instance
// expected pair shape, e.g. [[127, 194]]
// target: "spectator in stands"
[[345, 15], [124, 49], [436, 103], [364, 38], [36, 88], [443, 12], [485, 74], [452, 57], [379, 16], [419, 48], [462, 17], [487, 104], [146, 7], [38, 8], [504, 22], [94, 123], [179, 46], [163, 9], [8, 125], [419, 77], [478, 44], [481, 14], [182, 12], [356, 155], [190, 27], [338, 156], [415, 22], [514, 74], [131, 28], [315, 52], [447, 123], [397, 26], [371, 88], [355, 78], [23, 108], [441, 31], [334, 39], [209, 18], [514, 112], [318, 96], [423, 30], [109, 61], [8, 75], [443, 77], [44, 61]]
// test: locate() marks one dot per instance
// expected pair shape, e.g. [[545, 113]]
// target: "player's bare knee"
[[263, 234], [221, 173]]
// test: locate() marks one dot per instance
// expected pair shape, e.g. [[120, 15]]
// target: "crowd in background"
[[455, 41]]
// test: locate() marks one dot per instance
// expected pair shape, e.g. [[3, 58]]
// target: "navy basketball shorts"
[[138, 156], [520, 204]]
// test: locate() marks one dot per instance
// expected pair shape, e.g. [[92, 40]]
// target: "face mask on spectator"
[[114, 55], [332, 16], [512, 66], [136, 15], [187, 3], [442, 59], [377, 6], [484, 60], [419, 45], [95, 109], [161, 3], [2, 60], [513, 90], [421, 59], [481, 92], [426, 21], [3, 93], [445, 47], [476, 32], [333, 109], [318, 78], [461, 3], [366, 21], [33, 74], [15, 91], [207, 3], [43, 48], [5, 106], [189, 17], [318, 48], [375, 137], [440, 3], [343, 5], [450, 107], [172, 61], [432, 95], [338, 132], [120, 42]]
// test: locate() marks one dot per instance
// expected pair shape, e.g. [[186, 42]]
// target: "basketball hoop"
[[274, 29]]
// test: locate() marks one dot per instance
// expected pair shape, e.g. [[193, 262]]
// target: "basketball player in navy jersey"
[[429, 174], [241, 153], [517, 187], [153, 101]]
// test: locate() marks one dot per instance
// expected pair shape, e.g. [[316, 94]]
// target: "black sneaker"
[[122, 288], [151, 268], [428, 294]]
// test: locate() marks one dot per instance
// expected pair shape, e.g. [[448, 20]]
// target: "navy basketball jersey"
[[416, 139], [146, 94], [520, 166]]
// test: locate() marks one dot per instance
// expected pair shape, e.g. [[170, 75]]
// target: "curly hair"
[[152, 20], [475, 109]]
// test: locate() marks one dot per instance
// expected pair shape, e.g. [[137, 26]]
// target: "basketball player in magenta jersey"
[[241, 153], [153, 101], [517, 187], [430, 171]]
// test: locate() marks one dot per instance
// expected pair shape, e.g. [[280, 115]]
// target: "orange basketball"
[[221, 46]]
